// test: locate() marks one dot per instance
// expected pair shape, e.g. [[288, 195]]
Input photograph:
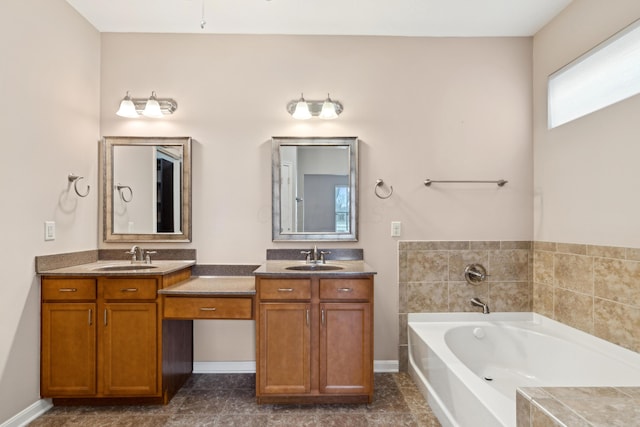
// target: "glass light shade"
[[127, 108], [328, 110], [302, 110], [152, 108]]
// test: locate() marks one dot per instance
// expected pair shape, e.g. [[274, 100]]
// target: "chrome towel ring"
[[76, 179], [379, 184], [120, 189]]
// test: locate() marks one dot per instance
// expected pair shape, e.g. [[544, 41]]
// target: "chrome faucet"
[[478, 303], [138, 254], [315, 256]]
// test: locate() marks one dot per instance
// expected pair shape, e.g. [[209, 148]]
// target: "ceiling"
[[415, 18]]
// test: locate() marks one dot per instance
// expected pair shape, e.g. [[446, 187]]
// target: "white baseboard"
[[249, 367], [245, 367], [29, 414]]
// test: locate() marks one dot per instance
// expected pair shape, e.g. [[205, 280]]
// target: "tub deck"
[[469, 365]]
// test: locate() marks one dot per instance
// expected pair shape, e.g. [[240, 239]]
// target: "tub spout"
[[478, 303]]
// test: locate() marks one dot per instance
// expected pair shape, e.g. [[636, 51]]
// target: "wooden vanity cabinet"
[[314, 339], [103, 337], [68, 351], [128, 334]]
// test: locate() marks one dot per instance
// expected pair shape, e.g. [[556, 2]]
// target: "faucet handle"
[[322, 254], [307, 255], [147, 256]]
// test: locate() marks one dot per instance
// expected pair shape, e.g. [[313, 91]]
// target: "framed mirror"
[[314, 188], [146, 189]]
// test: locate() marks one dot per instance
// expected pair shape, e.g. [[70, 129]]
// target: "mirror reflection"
[[147, 189], [314, 188]]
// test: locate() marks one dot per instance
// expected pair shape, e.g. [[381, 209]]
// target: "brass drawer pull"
[[68, 290], [345, 289], [129, 290], [285, 289], [207, 309]]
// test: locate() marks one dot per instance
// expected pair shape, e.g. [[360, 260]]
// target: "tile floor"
[[229, 400]]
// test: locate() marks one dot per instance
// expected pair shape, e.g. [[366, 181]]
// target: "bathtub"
[[468, 365]]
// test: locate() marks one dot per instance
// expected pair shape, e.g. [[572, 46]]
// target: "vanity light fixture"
[[148, 107], [303, 109]]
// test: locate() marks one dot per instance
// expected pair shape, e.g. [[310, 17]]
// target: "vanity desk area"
[[114, 332]]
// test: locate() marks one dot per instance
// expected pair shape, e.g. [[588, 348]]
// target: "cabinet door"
[[129, 356], [346, 365], [284, 348], [68, 359]]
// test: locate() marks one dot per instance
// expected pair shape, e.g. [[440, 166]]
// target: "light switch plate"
[[49, 230], [396, 228]]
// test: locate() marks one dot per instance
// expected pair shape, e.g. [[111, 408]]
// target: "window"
[[607, 74]]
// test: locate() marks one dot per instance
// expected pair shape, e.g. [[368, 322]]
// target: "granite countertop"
[[101, 268], [279, 268], [213, 285]]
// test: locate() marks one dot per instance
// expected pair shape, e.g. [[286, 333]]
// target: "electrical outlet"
[[396, 228], [49, 230]]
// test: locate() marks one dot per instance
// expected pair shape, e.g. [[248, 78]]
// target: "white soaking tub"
[[468, 365]]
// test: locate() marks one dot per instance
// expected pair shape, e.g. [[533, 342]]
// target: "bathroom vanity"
[[314, 332], [103, 335]]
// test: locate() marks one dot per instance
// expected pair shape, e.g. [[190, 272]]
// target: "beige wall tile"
[[523, 411], [633, 254], [460, 293], [571, 248], [573, 309], [484, 245], [543, 299], [510, 296], [427, 297], [402, 322], [402, 298], [617, 280], [543, 267], [606, 252], [508, 265], [618, 323], [573, 272], [458, 260], [427, 266], [515, 245], [434, 245], [544, 246], [540, 418]]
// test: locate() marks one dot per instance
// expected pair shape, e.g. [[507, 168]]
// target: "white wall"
[[49, 122], [586, 171], [423, 108]]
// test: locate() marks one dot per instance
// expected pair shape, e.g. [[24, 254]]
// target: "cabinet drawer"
[[68, 289], [281, 289], [129, 288], [207, 308], [346, 289]]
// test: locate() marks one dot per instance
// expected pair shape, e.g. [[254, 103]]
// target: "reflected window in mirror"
[[146, 189], [314, 188]]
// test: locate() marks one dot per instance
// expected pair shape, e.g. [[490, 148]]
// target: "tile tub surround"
[[431, 279], [592, 288], [575, 406]]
